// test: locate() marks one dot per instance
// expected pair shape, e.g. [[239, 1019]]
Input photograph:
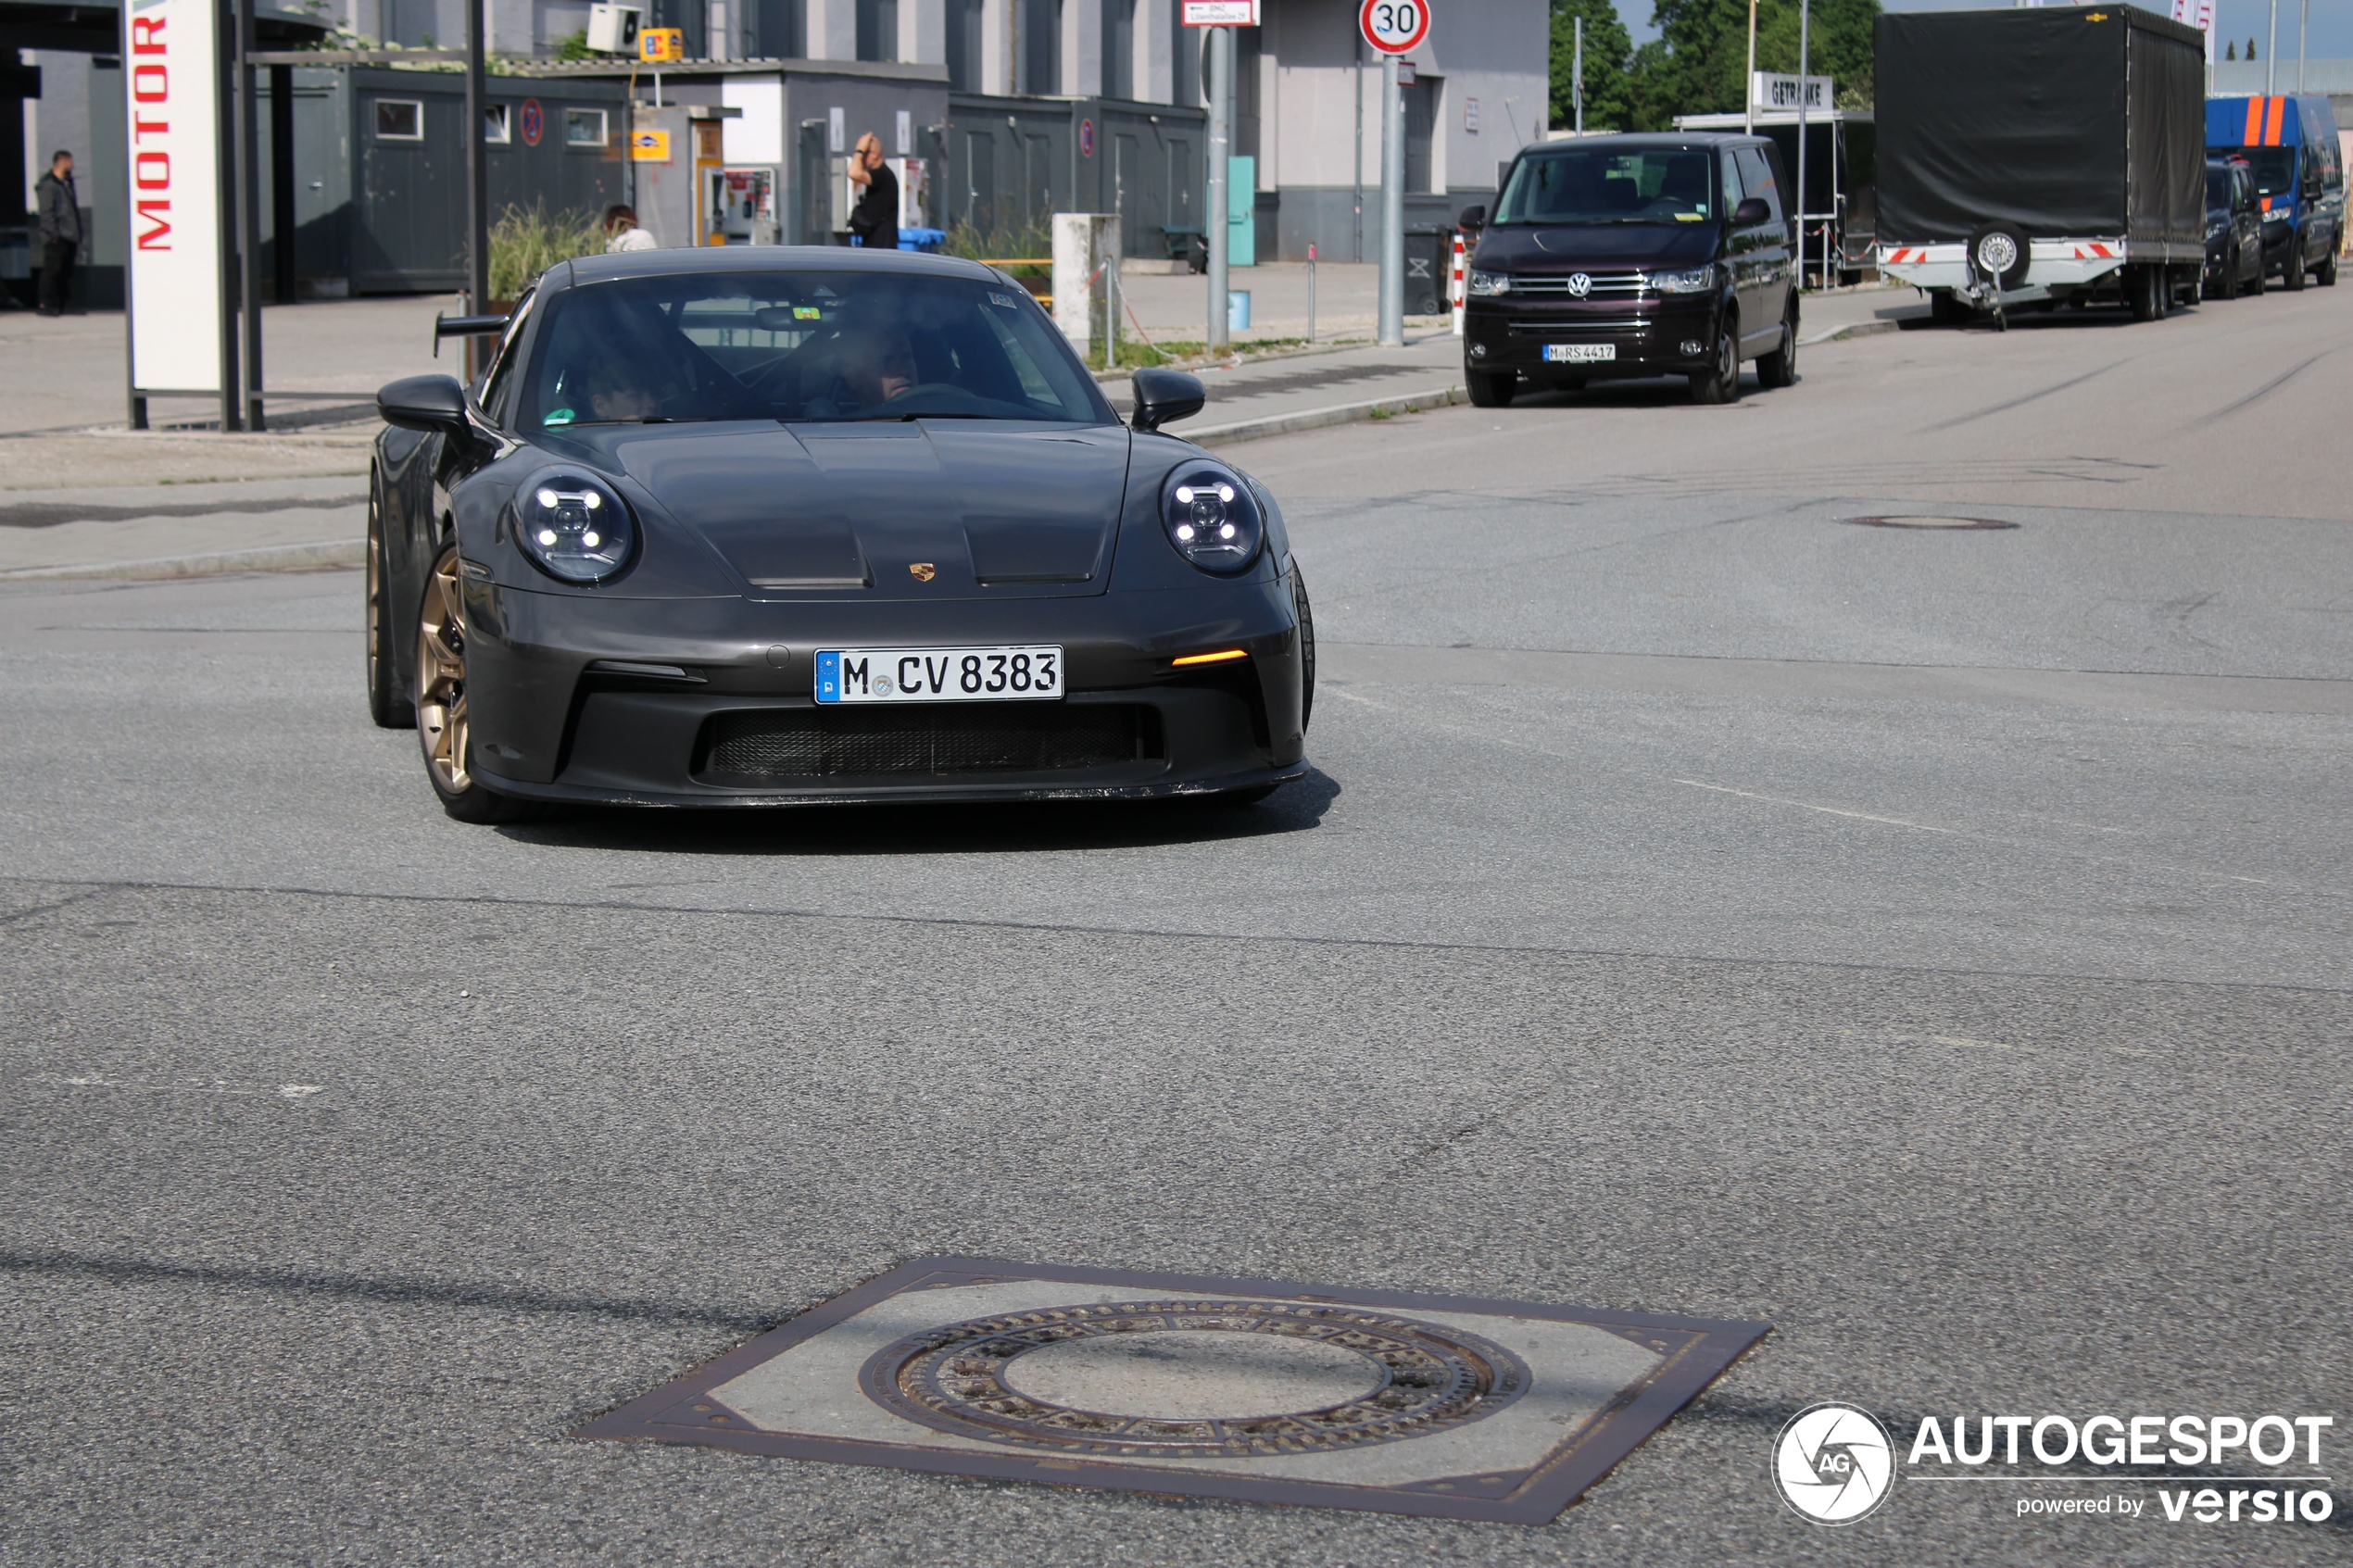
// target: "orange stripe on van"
[[2271, 125], [2254, 137]]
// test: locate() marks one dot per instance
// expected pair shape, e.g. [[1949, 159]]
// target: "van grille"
[[945, 741], [1620, 285]]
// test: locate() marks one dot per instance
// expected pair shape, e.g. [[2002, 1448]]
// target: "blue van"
[[2299, 177]]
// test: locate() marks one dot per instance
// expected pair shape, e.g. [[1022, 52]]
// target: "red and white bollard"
[[1454, 291]]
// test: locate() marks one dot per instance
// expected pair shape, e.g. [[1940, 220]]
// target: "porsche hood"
[[893, 510]]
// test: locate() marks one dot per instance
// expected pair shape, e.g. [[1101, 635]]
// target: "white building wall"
[[996, 46]]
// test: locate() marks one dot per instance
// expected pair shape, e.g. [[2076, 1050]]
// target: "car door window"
[[1757, 180], [500, 381], [1731, 184]]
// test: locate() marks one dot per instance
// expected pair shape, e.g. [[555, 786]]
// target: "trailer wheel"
[[1999, 253], [1947, 311], [2144, 288]]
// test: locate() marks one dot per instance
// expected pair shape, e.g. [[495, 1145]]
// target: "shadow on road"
[[932, 828]]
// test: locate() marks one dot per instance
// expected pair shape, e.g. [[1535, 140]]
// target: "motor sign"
[[175, 260], [1394, 26]]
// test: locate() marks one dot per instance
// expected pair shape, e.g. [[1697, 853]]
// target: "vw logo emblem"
[[1579, 285]]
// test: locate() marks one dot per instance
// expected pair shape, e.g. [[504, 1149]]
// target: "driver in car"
[[876, 364]]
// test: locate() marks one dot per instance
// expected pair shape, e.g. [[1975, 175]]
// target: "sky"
[[2237, 21]]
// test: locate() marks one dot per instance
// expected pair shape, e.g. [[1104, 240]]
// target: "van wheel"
[[2292, 275], [1779, 369], [1491, 389], [2326, 271], [2257, 283], [1721, 385]]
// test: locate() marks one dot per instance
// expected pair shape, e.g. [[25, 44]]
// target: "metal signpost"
[[1220, 17], [477, 185], [1395, 27]]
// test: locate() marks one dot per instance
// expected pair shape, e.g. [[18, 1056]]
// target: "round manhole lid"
[[1199, 1379], [1894, 521]]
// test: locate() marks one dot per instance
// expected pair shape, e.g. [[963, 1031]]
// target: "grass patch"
[[523, 244]]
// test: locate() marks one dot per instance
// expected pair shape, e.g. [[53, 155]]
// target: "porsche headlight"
[[1484, 283], [1691, 280], [1211, 517], [572, 527]]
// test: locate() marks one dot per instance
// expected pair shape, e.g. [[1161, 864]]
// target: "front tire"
[[2256, 284], [1306, 615], [2292, 273], [2326, 271], [1779, 369], [1722, 384], [443, 731], [388, 702], [1491, 389]]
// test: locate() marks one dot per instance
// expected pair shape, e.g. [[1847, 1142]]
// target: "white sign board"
[[1770, 90], [170, 68], [2198, 14], [1394, 26], [1221, 13]]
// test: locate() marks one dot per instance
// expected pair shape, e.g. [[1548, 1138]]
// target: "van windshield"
[[1590, 186], [2274, 169]]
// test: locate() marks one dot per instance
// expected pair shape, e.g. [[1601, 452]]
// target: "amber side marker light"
[[1211, 657]]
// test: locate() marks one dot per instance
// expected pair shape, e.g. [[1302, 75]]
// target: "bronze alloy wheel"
[[441, 677]]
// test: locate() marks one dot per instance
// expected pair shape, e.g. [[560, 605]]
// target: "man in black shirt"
[[60, 230], [875, 218]]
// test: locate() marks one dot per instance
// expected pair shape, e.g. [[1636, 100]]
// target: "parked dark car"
[[2234, 229], [1634, 255], [753, 526]]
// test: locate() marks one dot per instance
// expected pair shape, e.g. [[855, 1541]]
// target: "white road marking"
[[194, 1087], [1808, 806]]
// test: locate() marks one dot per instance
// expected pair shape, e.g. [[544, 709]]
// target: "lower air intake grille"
[[945, 741]]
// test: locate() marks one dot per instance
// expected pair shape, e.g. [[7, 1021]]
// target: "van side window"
[[1731, 184], [1758, 180]]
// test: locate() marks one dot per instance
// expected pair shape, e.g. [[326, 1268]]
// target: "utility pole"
[[1221, 146], [1805, 14], [1392, 206], [477, 184], [1577, 78], [1748, 87], [2272, 55], [248, 160], [2302, 28]]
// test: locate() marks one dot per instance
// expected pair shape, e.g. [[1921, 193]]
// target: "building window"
[[1188, 67], [877, 30], [1119, 48], [1041, 46], [778, 26], [1421, 123], [495, 126], [400, 119], [583, 128], [964, 37]]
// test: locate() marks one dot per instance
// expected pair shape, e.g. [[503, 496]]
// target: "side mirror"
[[1752, 212], [432, 404], [1163, 396], [1473, 217]]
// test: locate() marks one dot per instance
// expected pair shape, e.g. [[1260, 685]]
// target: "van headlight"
[[1486, 284], [572, 527], [1211, 517], [1691, 280]]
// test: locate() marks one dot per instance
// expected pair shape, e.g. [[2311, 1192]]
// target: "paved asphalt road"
[[1933, 943]]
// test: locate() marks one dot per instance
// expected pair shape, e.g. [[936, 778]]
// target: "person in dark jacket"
[[60, 210], [875, 220]]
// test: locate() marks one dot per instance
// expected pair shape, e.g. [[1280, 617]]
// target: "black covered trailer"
[[2040, 154]]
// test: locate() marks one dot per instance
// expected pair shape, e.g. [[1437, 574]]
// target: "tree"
[[1609, 90], [1698, 63], [2230, 51]]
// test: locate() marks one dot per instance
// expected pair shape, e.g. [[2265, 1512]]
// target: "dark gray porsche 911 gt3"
[[777, 526]]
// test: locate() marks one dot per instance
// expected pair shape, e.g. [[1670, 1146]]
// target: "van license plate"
[[1580, 353]]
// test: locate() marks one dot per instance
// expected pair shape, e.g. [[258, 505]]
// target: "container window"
[[583, 128], [496, 125], [400, 119]]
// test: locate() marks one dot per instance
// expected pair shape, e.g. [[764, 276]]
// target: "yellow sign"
[[658, 44], [649, 146]]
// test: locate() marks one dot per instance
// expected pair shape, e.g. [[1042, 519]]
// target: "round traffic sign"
[[1394, 26], [533, 122]]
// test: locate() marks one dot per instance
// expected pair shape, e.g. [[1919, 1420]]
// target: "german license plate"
[[1580, 353], [1005, 674]]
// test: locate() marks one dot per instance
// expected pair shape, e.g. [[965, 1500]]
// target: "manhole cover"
[[1893, 522], [1254, 1389], [1196, 1378]]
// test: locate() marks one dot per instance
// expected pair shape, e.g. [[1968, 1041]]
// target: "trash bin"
[[923, 239], [1427, 252]]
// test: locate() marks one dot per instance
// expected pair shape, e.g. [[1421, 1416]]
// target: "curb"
[[1856, 329], [1319, 418], [320, 557]]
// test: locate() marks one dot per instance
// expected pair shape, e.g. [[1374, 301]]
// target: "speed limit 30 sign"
[[1394, 26]]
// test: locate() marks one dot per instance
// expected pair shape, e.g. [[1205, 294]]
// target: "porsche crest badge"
[[923, 569]]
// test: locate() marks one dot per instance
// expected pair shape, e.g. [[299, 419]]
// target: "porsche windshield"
[[800, 345], [1648, 185]]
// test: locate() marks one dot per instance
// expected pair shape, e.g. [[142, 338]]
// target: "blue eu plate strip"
[[829, 677]]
